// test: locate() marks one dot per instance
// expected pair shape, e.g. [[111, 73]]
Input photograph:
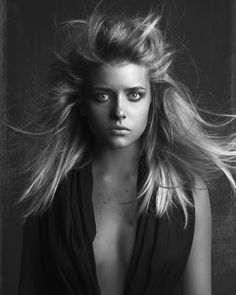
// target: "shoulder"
[[201, 200], [197, 278], [202, 207]]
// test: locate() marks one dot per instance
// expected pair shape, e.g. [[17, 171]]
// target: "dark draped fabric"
[[66, 232]]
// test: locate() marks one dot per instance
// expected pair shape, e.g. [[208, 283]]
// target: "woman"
[[118, 202]]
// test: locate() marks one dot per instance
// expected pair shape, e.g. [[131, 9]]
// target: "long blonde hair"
[[177, 143]]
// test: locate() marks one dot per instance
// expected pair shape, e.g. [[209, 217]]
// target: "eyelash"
[[97, 95], [139, 94]]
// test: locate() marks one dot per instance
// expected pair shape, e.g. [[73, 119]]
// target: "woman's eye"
[[101, 96], [135, 96]]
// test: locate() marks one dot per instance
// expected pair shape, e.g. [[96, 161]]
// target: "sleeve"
[[32, 278]]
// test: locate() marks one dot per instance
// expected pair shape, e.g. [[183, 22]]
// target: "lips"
[[118, 127], [119, 130]]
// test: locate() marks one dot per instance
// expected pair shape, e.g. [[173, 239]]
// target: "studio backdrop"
[[204, 32]]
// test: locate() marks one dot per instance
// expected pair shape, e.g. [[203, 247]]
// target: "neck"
[[116, 161]]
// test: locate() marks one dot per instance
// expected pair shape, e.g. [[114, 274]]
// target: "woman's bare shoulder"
[[197, 278], [201, 198]]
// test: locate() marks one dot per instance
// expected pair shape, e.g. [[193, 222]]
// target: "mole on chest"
[[115, 210], [113, 244]]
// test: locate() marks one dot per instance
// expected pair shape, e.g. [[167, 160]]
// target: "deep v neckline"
[[67, 230], [87, 196]]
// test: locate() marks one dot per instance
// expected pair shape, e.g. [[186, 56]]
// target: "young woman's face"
[[118, 103]]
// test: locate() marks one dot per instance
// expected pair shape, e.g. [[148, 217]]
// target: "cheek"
[[142, 116], [97, 119], [143, 123], [96, 114]]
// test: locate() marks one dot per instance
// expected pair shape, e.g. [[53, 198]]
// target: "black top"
[[58, 257]]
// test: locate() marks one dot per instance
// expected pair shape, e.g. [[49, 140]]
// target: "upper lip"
[[119, 127]]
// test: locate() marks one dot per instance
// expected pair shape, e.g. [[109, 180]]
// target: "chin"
[[117, 142], [120, 143]]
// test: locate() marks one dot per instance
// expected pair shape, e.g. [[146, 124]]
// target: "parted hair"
[[177, 144]]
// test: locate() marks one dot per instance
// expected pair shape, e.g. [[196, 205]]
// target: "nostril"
[[119, 113]]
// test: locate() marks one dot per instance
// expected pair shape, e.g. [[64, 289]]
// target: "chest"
[[116, 224]]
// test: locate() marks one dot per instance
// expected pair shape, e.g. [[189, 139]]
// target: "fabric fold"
[[67, 231]]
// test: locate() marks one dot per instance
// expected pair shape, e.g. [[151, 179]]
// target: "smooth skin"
[[120, 95], [116, 98], [197, 276]]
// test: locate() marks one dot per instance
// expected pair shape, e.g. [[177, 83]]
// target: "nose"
[[118, 111], [119, 114]]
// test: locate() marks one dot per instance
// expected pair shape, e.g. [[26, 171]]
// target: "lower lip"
[[119, 131]]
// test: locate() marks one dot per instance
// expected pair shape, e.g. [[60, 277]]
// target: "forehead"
[[123, 74]]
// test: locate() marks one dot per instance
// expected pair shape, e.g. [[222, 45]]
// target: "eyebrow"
[[126, 89]]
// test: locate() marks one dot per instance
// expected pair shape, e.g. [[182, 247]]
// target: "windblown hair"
[[177, 144]]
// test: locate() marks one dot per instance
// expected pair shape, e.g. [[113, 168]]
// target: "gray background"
[[207, 28]]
